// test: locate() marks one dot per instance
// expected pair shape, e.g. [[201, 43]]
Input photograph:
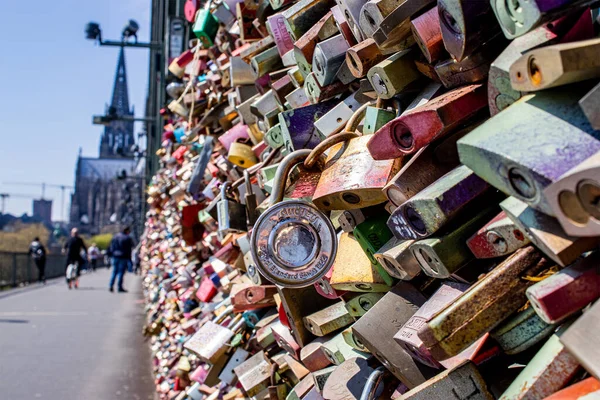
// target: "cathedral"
[[108, 188]]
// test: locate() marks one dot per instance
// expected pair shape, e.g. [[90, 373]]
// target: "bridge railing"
[[19, 268]]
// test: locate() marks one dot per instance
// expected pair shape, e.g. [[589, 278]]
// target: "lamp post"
[[154, 121]]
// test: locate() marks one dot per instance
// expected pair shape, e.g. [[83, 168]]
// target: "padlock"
[[472, 68], [398, 260], [338, 351], [372, 235], [242, 155], [239, 133], [407, 336], [254, 374], [254, 297], [551, 369], [556, 65], [359, 304], [296, 76], [284, 339], [301, 16], [516, 21], [392, 75], [282, 87], [231, 214], [375, 118], [265, 105], [328, 56], [190, 9], [428, 35], [317, 93], [277, 4], [422, 125], [265, 62], [304, 47], [298, 128], [583, 345], [351, 341], [589, 106], [502, 150], [273, 137], [388, 22], [429, 210], [251, 202], [224, 14], [328, 320], [363, 56], [296, 307], [466, 25], [483, 306], [497, 238], [347, 380], [463, 381], [573, 27], [254, 48], [443, 255], [276, 27], [351, 178], [356, 273], [321, 376], [211, 340], [586, 388], [425, 167], [324, 288], [350, 10], [375, 330], [205, 27], [294, 244], [338, 116], [546, 233], [566, 292], [302, 388], [573, 198], [521, 331], [293, 370], [313, 355], [238, 357], [297, 98]]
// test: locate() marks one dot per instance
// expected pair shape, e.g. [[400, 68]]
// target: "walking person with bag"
[[74, 247], [120, 250], [38, 254]]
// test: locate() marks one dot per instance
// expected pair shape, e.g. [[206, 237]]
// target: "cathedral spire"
[[120, 97], [117, 139]]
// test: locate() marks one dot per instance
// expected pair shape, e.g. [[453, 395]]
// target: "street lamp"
[[93, 32]]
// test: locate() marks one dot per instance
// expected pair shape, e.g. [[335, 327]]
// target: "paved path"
[[62, 344]]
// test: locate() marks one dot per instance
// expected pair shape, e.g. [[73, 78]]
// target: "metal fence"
[[19, 268]]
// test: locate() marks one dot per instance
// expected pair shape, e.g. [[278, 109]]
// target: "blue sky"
[[52, 81]]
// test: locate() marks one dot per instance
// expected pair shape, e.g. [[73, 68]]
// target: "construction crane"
[[4, 196], [43, 185]]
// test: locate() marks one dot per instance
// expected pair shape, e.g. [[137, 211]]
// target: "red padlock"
[[190, 9]]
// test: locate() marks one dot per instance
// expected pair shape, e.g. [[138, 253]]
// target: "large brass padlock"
[[352, 178], [293, 243]]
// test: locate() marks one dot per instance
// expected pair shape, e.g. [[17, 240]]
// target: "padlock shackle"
[[283, 170], [325, 145], [372, 383]]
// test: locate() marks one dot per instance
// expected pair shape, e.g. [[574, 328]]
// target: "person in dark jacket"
[[120, 250], [38, 253], [73, 248]]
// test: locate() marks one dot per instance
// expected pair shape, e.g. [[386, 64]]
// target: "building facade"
[[108, 188]]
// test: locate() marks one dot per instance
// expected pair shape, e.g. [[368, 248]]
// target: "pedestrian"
[[120, 250], [38, 253], [94, 255], [74, 247]]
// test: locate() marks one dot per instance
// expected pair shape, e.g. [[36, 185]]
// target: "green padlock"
[[205, 27], [375, 118], [273, 138], [372, 235]]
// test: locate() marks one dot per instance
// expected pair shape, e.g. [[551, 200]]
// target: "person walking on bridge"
[[74, 247], [120, 250], [38, 253]]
